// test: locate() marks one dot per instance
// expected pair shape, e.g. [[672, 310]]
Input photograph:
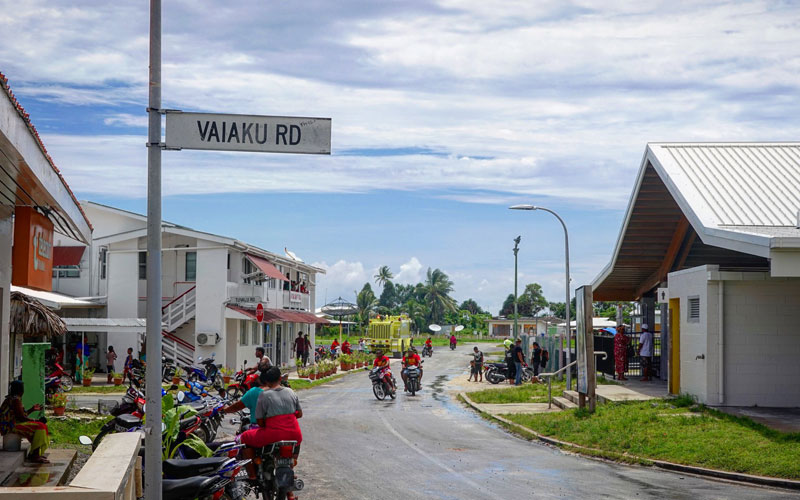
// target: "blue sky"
[[444, 113]]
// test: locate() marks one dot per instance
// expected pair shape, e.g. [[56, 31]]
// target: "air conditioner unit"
[[208, 338]]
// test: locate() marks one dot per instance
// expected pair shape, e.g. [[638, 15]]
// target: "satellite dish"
[[292, 255], [459, 328], [434, 328]]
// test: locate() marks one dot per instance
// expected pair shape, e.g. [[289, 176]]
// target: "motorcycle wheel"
[[377, 389], [527, 374], [233, 392], [493, 377], [202, 433], [99, 437], [413, 387], [66, 383]]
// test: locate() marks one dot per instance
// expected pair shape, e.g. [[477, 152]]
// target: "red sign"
[[32, 260], [260, 312]]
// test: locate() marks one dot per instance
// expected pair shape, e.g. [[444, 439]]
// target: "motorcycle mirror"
[[181, 397], [85, 440], [199, 358], [163, 427], [144, 408]]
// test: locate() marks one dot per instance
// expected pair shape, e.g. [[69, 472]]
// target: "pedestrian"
[[307, 350], [299, 348], [537, 358], [519, 360], [128, 366], [477, 363], [82, 351], [621, 342], [511, 368], [111, 356], [646, 353]]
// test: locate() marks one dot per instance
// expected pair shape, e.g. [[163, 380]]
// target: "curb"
[[689, 469]]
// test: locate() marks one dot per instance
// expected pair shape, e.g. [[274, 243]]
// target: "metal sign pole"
[[152, 442]]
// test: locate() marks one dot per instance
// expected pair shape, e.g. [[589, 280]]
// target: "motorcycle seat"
[[128, 421], [187, 423], [176, 468], [191, 487]]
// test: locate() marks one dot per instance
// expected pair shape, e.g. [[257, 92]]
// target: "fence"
[[633, 365]]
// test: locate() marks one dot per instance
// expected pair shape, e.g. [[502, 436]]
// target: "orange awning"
[[67, 256], [266, 267]]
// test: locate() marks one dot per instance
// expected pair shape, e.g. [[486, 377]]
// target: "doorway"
[[675, 346]]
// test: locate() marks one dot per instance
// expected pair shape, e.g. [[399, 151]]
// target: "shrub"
[[683, 401], [59, 400]]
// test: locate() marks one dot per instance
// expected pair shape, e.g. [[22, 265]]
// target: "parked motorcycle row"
[[194, 465]]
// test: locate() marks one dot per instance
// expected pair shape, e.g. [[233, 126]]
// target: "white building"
[[211, 286], [712, 233]]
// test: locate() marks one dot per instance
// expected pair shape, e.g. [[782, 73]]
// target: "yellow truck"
[[391, 334]]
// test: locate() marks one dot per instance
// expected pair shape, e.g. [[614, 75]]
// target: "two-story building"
[[211, 286]]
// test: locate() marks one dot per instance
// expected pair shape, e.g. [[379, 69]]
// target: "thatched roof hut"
[[33, 320]]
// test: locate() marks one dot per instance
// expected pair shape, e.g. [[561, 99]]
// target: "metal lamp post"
[[566, 260], [516, 250]]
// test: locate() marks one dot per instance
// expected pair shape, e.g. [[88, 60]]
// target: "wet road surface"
[[430, 446]]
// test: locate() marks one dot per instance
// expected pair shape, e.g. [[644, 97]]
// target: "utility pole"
[[516, 250], [152, 440]]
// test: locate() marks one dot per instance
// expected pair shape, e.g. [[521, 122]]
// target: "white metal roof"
[[117, 325], [745, 192], [54, 300]]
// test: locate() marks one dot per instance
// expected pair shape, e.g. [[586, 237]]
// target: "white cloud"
[[341, 279], [126, 120], [410, 272]]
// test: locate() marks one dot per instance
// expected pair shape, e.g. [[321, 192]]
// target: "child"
[[128, 364]]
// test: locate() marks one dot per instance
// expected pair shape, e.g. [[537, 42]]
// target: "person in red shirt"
[[334, 345], [410, 359], [383, 362], [346, 347], [429, 343]]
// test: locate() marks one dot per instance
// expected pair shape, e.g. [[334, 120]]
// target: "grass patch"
[[68, 430], [525, 393], [304, 383], [98, 389], [661, 430]]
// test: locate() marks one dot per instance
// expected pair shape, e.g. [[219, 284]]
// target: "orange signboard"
[[32, 261]]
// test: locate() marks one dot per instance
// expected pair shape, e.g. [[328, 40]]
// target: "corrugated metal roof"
[[107, 322], [736, 184]]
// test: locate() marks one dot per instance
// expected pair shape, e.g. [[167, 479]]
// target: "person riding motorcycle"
[[410, 359], [334, 346], [346, 347], [453, 339], [262, 362], [383, 362], [250, 399], [277, 411], [429, 343]]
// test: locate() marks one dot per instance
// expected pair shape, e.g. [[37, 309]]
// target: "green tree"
[[388, 299], [366, 302], [471, 306], [531, 302], [383, 276], [417, 312], [438, 287], [508, 306], [558, 310]]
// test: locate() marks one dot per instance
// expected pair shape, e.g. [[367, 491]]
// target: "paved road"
[[430, 447]]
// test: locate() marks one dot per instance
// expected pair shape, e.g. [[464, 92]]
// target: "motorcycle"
[[167, 369], [221, 467], [65, 378], [452, 346], [412, 379], [242, 383], [275, 471], [52, 385], [208, 373], [380, 387], [498, 372], [427, 351]]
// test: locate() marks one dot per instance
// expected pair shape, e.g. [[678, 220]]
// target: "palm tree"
[[438, 287], [366, 302], [384, 275]]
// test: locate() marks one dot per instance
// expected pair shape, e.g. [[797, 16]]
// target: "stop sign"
[[260, 312]]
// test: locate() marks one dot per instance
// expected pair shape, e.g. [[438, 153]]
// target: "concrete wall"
[[210, 296], [123, 270], [6, 239], [755, 360], [762, 342]]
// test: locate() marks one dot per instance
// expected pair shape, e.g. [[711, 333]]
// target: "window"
[[67, 272], [191, 266], [247, 268], [272, 283], [242, 332], [694, 310], [103, 262], [254, 332], [229, 261], [142, 265], [266, 333]]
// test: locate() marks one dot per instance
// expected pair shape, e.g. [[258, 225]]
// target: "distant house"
[[711, 242], [500, 326]]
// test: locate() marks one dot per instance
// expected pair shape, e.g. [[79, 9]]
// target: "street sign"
[[260, 134], [260, 312]]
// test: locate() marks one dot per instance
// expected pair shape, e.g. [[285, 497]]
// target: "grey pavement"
[[430, 446]]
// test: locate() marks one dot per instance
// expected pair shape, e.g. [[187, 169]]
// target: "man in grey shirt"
[[646, 353]]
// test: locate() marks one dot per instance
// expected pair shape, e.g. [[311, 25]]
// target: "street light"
[[516, 250], [566, 260]]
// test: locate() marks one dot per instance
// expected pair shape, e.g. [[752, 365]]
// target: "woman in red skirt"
[[621, 342], [14, 418]]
